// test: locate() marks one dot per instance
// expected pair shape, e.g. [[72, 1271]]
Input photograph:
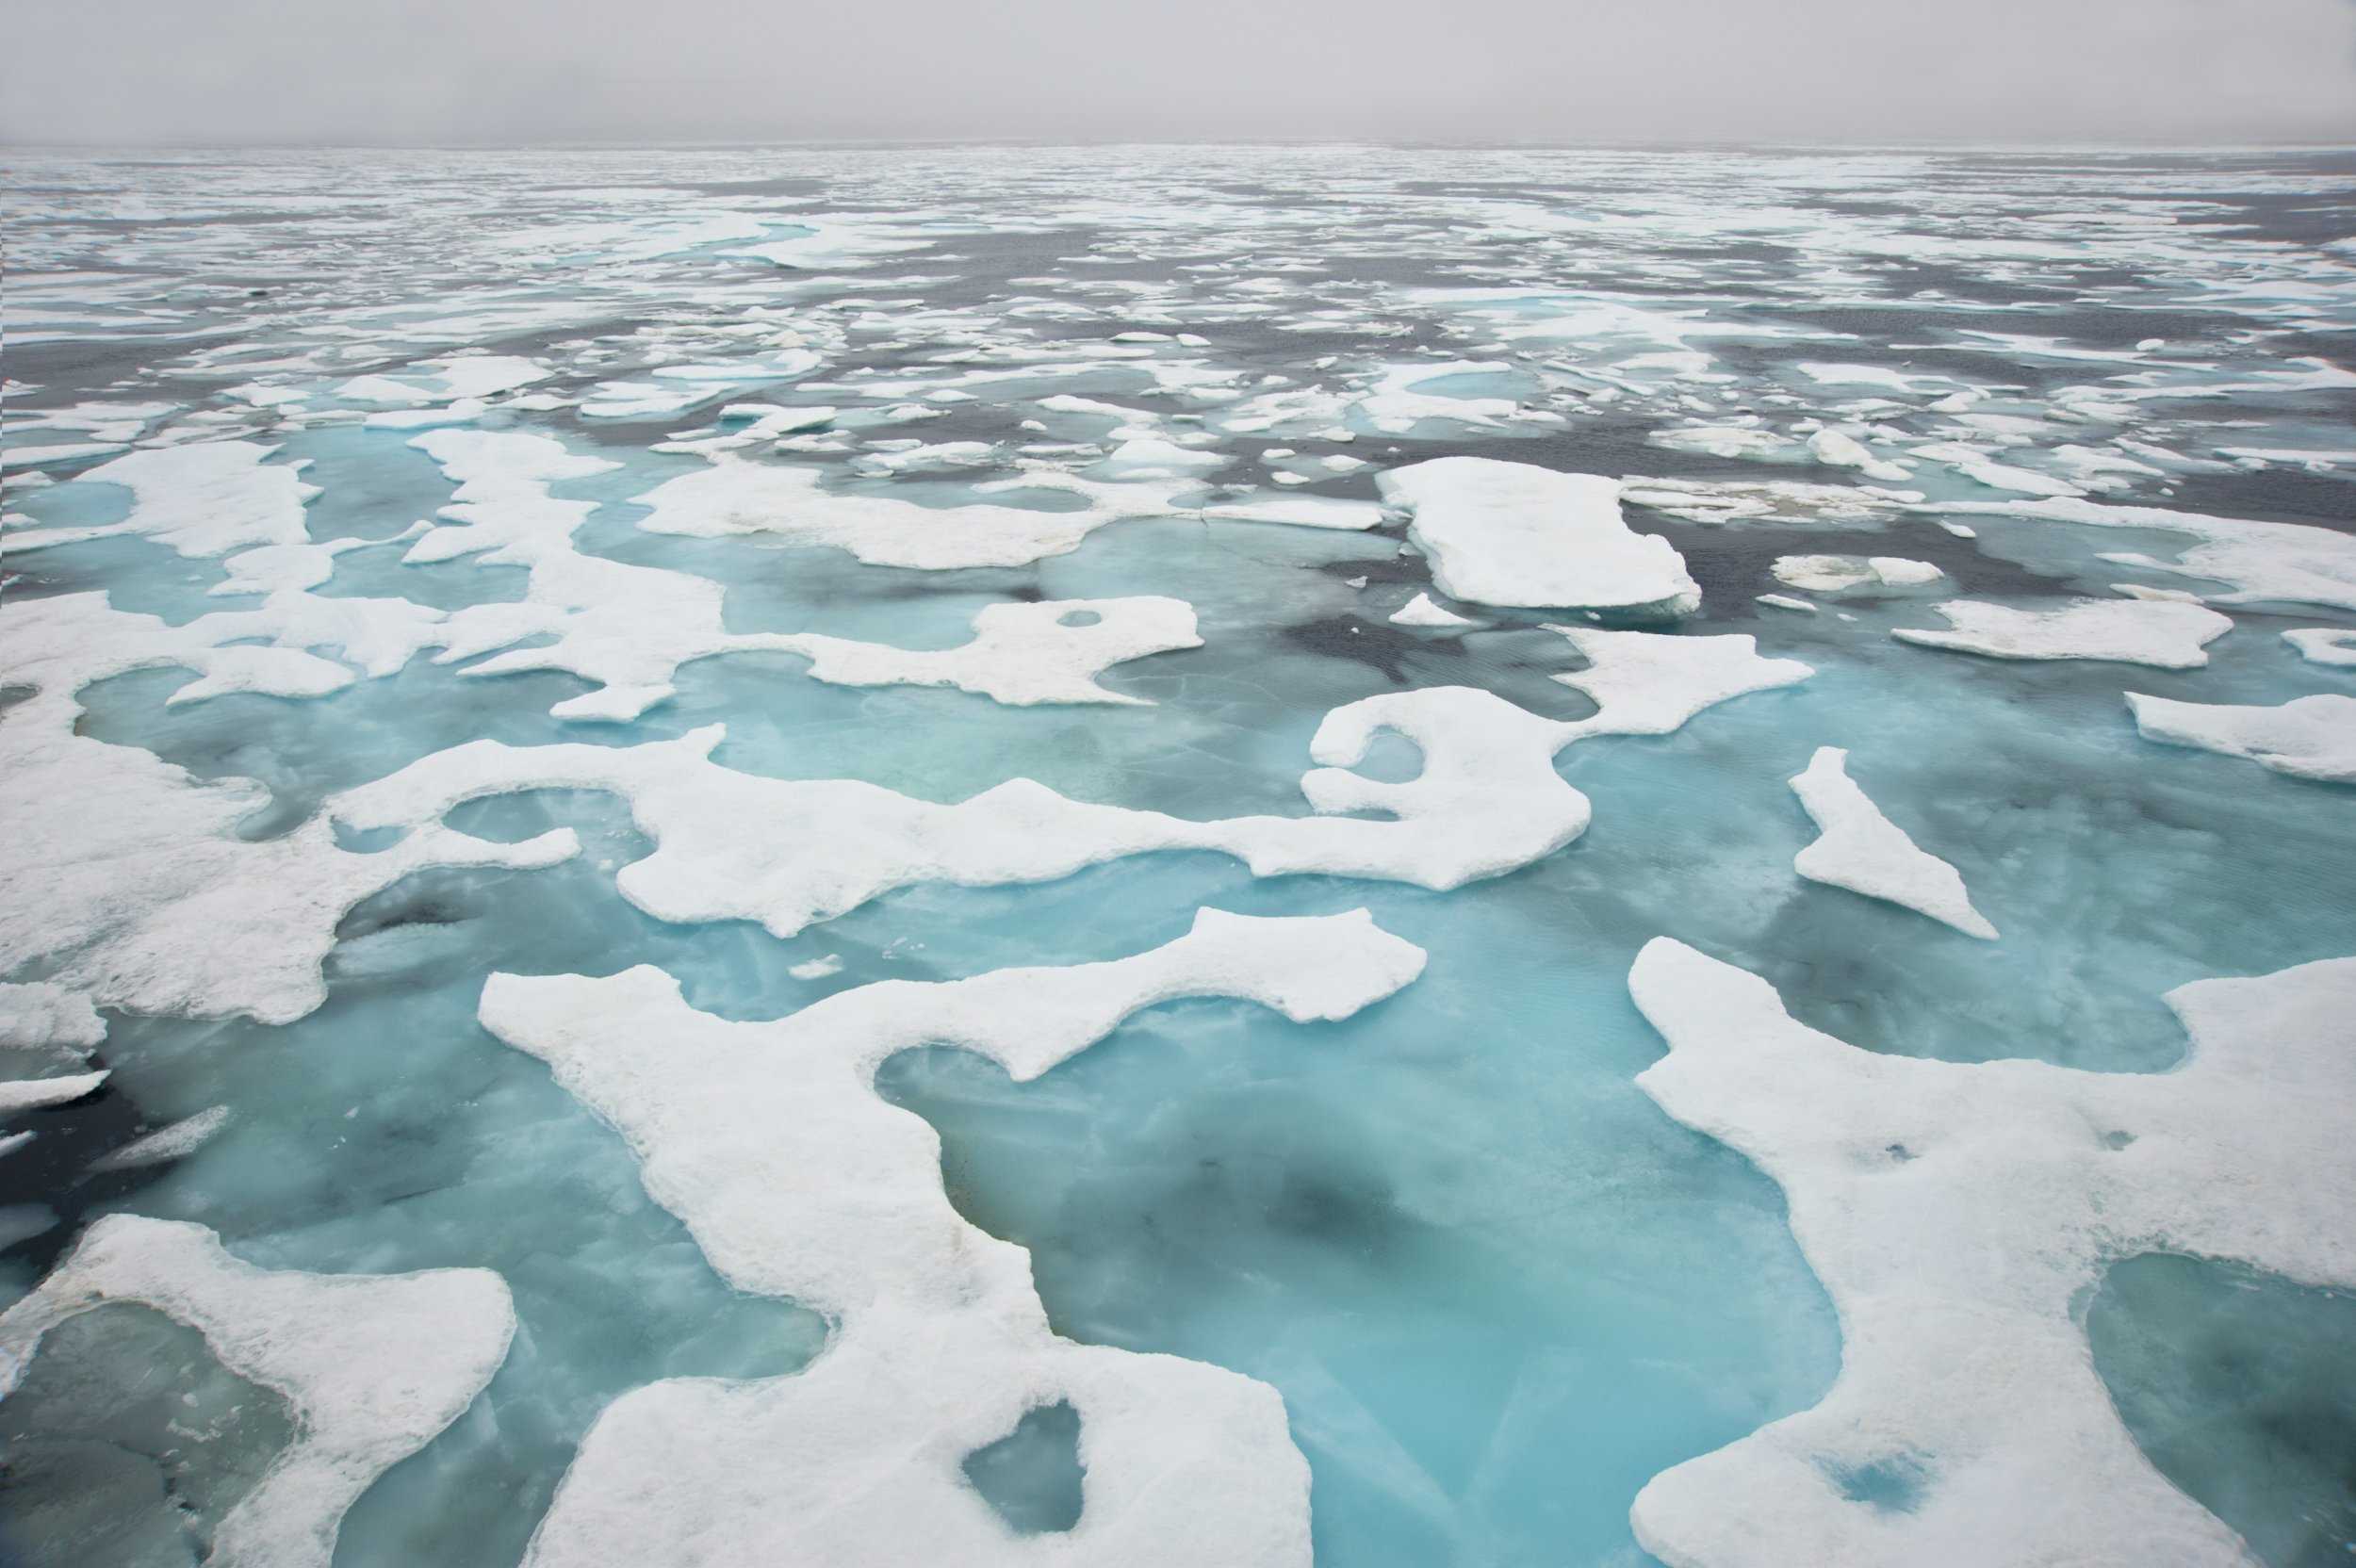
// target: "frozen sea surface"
[[517, 1047]]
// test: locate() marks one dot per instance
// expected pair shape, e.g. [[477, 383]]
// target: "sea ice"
[[1957, 1213], [373, 1365], [798, 1181], [1421, 611], [1516, 535], [2130, 631], [1861, 849], [1834, 574], [2309, 737], [2324, 644]]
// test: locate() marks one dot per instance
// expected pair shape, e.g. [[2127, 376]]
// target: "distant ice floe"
[[1840, 451], [1488, 800], [371, 1366], [799, 1181], [1516, 535], [1835, 574], [2162, 633], [736, 497], [2309, 737], [1956, 1212], [2263, 563], [1394, 407], [629, 627], [1861, 849]]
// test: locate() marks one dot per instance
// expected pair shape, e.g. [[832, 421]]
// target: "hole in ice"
[[1032, 1475], [2240, 1388], [1891, 1485], [1391, 758], [2117, 1140], [11, 695], [126, 1443], [1899, 1153], [511, 819], [1078, 617], [367, 841]]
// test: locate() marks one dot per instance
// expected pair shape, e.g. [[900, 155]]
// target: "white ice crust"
[[1861, 849], [788, 852], [1955, 1213], [2164, 633], [798, 1181], [371, 1366], [2309, 737], [1517, 536]]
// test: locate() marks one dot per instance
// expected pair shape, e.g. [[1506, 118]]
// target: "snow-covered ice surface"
[[636, 739], [1861, 849]]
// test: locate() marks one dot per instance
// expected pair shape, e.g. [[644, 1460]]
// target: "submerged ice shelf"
[[761, 653]]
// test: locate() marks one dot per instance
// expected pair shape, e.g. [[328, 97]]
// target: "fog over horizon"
[[440, 72]]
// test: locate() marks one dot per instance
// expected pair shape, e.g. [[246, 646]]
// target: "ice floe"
[[2168, 635], [797, 1180], [1956, 1212], [2309, 737], [1516, 535], [2334, 645], [1861, 849], [1835, 573], [1651, 682], [1421, 611], [2263, 563], [736, 497], [372, 1365], [204, 498], [215, 923]]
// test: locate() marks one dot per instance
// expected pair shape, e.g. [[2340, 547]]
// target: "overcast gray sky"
[[503, 71]]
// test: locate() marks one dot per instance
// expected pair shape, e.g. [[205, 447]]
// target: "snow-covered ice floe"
[[2164, 633], [797, 1180], [371, 1364], [2309, 737], [1861, 849], [1956, 1212], [1835, 573], [787, 853], [1516, 535]]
